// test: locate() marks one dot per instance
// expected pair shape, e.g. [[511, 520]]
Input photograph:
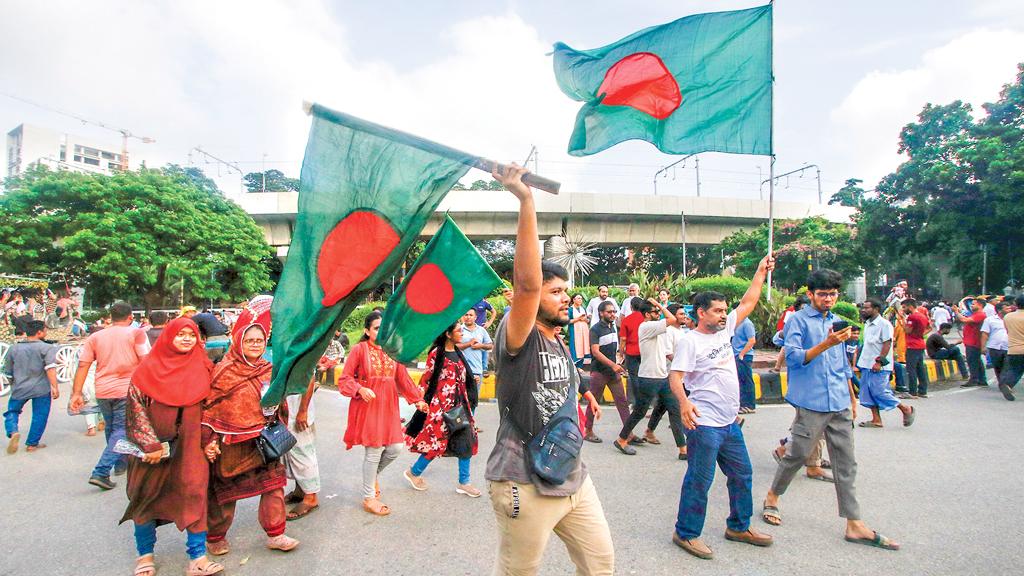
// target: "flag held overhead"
[[446, 280], [699, 84]]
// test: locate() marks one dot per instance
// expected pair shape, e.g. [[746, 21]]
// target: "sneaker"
[[468, 490], [103, 482], [417, 483], [281, 542], [12, 444]]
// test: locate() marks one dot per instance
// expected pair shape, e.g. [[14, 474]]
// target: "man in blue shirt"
[[820, 390], [743, 351], [475, 344]]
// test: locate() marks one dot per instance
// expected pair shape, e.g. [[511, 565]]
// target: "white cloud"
[[231, 76], [866, 124]]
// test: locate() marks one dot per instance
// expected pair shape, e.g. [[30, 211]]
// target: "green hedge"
[[732, 286]]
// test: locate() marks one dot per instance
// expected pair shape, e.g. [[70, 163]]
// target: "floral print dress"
[[433, 439]]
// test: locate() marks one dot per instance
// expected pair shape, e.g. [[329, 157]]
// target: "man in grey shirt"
[[535, 377], [31, 365]]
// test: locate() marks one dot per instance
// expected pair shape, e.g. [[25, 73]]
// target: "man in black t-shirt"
[[940, 349], [604, 372], [534, 378]]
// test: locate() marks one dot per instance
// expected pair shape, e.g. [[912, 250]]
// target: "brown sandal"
[[300, 510], [381, 509]]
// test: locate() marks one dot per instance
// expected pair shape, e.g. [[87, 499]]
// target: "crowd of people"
[[180, 400]]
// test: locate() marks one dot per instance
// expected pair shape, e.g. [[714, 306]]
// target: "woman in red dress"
[[444, 382], [374, 380], [164, 401]]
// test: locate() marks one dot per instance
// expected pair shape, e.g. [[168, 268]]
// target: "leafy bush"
[[733, 287], [846, 310]]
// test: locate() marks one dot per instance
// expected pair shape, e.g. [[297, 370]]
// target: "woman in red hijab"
[[232, 421], [169, 482]]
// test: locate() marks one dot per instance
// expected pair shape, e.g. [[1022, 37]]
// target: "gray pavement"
[[948, 489]]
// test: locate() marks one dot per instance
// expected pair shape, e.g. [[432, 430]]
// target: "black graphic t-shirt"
[[531, 386]]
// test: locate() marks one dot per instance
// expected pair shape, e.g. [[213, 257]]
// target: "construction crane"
[[125, 134]]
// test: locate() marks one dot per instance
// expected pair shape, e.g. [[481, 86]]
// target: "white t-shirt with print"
[[710, 373], [998, 339]]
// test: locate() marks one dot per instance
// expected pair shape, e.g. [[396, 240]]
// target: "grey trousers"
[[837, 427], [375, 461]]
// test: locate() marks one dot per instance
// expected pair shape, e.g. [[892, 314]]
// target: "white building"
[[29, 145]]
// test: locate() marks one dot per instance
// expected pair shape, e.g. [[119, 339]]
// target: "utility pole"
[[682, 225], [773, 179], [696, 161], [984, 268], [681, 160]]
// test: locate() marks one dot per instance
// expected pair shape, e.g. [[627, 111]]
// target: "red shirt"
[[630, 330], [972, 329], [917, 324]]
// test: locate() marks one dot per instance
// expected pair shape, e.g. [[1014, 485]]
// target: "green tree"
[[276, 181], [133, 235], [799, 244]]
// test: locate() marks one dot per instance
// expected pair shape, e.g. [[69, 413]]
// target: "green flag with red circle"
[[365, 193], [701, 83], [447, 279]]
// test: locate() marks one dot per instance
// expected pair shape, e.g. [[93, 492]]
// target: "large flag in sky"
[[447, 279], [702, 83], [365, 193]]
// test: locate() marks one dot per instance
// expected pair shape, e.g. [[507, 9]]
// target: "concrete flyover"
[[606, 219]]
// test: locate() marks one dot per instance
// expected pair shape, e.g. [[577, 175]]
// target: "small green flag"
[[446, 281], [702, 83], [365, 193]]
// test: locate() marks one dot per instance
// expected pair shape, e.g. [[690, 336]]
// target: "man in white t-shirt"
[[704, 358], [627, 307], [994, 339], [940, 315], [592, 307], [652, 376], [673, 334]]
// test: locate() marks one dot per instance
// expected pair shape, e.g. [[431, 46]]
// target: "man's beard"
[[714, 327], [552, 319]]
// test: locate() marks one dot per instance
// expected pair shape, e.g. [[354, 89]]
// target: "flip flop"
[[382, 510], [822, 478], [627, 449], [209, 570], [652, 440], [301, 510], [869, 424], [908, 419], [771, 512], [146, 568], [877, 541]]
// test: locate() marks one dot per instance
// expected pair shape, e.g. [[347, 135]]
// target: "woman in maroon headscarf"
[[232, 421], [169, 483]]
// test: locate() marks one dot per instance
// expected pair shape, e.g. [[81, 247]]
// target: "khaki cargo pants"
[[526, 520]]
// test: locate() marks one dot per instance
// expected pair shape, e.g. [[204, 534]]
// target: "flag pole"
[[771, 151], [479, 162]]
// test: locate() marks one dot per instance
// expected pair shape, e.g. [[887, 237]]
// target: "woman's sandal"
[[868, 424], [145, 566], [208, 570], [300, 510], [771, 514], [380, 509]]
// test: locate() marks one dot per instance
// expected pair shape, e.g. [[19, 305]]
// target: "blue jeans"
[[40, 414], [899, 370], [953, 353], [1013, 370], [705, 446], [423, 462], [113, 414], [976, 364], [145, 541], [917, 373], [746, 377]]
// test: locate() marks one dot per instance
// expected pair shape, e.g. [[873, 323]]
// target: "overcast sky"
[[230, 76]]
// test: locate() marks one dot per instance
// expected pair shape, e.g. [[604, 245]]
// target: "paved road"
[[949, 489]]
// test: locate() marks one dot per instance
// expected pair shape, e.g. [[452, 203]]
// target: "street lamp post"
[[800, 171], [683, 159]]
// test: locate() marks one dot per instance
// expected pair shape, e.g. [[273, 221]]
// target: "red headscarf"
[[233, 406], [172, 377]]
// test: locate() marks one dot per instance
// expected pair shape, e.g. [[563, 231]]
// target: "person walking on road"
[[31, 367], [300, 463], [535, 381], [875, 361], [1014, 367], [374, 381], [820, 390], [430, 433], [605, 372], [704, 359], [994, 340], [116, 350], [164, 408]]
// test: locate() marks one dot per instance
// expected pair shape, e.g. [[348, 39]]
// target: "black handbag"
[[275, 441], [456, 419]]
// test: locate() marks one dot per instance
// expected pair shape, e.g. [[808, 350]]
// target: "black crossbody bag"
[[275, 441], [552, 453]]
